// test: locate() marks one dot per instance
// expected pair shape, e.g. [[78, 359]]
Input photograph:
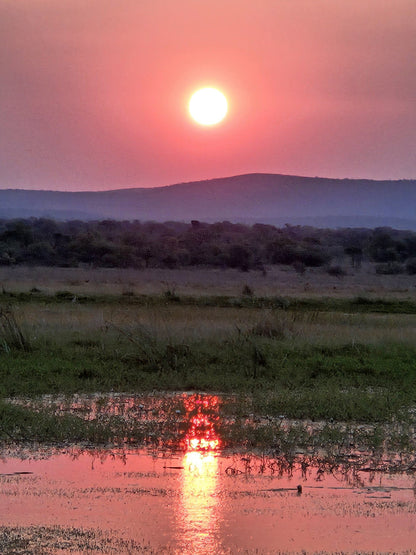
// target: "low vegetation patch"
[[11, 334], [358, 304], [291, 362]]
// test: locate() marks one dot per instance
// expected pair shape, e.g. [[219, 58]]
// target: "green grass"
[[41, 422], [298, 362], [357, 304], [348, 382]]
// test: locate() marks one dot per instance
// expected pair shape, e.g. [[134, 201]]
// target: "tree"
[[356, 254], [239, 257]]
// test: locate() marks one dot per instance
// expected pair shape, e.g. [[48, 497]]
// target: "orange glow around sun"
[[208, 106], [202, 413]]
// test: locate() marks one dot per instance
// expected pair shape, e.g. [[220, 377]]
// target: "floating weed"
[[50, 539]]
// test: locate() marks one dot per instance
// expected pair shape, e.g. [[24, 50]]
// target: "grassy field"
[[277, 281], [340, 359]]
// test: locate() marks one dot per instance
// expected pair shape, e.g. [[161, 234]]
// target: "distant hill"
[[268, 198]]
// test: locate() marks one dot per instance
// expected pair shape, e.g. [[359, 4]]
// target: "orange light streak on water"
[[198, 515], [198, 518]]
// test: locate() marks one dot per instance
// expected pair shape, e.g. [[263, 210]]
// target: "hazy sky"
[[94, 93]]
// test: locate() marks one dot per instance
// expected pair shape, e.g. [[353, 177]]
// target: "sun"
[[208, 106]]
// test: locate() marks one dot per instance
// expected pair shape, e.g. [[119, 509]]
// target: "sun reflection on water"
[[202, 414], [198, 526]]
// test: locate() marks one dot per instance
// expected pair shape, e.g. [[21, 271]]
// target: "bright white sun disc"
[[208, 106]]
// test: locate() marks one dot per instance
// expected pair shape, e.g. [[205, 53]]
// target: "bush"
[[270, 329], [389, 268], [336, 271], [313, 257], [64, 295], [411, 266], [247, 291], [274, 326], [11, 334], [299, 267]]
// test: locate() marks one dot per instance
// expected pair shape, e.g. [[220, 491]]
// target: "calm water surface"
[[204, 500]]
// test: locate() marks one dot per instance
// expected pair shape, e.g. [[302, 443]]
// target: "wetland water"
[[200, 498]]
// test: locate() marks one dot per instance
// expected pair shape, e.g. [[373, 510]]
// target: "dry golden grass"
[[186, 323], [64, 322], [279, 281], [335, 328]]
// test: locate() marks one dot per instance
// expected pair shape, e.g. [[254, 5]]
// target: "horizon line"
[[203, 180]]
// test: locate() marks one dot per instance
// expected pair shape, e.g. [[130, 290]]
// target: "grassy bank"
[[348, 382], [338, 360], [358, 304]]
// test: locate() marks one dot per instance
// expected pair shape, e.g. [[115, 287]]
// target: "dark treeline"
[[133, 244]]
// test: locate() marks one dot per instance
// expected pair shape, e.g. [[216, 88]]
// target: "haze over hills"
[[268, 198]]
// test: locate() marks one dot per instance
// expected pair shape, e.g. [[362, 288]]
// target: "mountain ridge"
[[247, 198]]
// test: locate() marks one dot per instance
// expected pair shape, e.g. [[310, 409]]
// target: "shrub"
[[11, 334], [299, 267], [269, 329], [313, 257], [411, 266], [389, 268], [276, 325], [247, 291], [336, 271], [64, 295]]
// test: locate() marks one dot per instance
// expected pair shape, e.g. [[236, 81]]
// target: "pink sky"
[[93, 94]]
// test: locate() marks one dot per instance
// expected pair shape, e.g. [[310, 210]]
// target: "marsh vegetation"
[[306, 376], [346, 361]]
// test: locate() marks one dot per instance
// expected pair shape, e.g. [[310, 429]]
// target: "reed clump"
[[11, 333]]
